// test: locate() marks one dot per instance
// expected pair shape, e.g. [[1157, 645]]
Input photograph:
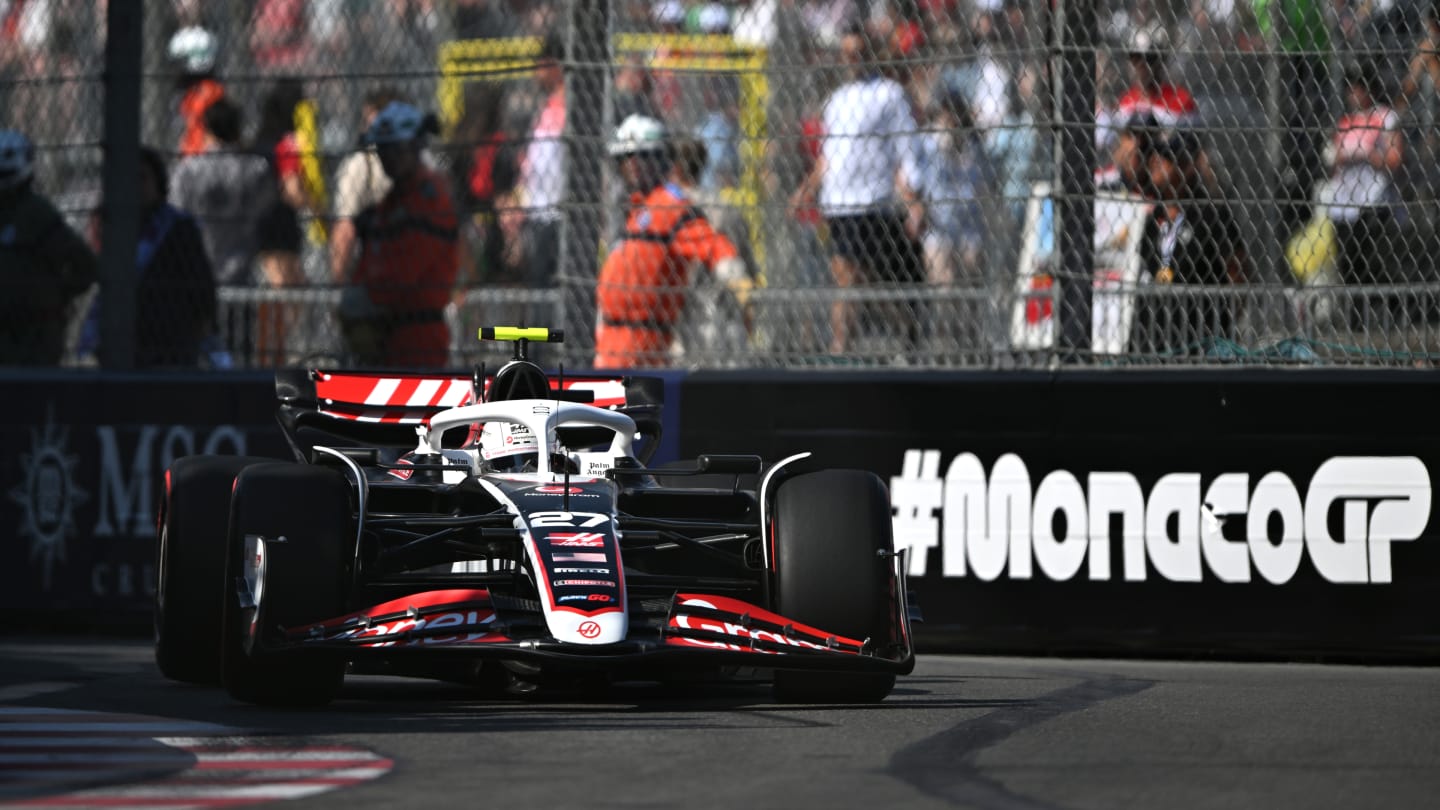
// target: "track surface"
[[1006, 733]]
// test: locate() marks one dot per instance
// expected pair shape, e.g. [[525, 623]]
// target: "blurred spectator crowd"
[[1279, 142]]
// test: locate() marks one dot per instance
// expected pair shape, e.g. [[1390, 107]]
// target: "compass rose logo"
[[48, 496]]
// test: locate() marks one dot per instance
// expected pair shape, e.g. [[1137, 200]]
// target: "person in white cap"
[[640, 293]]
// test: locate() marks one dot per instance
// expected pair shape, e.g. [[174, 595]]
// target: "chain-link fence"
[[934, 183]]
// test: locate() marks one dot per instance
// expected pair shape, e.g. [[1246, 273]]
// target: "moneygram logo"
[[1350, 512]]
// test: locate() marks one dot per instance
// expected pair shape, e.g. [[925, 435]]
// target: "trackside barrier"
[[1231, 513], [82, 470], [1249, 512]]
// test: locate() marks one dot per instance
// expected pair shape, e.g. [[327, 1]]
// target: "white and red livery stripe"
[[390, 400], [742, 631], [411, 399]]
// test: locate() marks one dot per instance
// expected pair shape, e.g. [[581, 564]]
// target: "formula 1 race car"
[[508, 528]]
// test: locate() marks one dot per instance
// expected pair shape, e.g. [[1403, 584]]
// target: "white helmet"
[[636, 134], [1148, 40], [194, 48], [398, 123], [17, 158], [508, 447]]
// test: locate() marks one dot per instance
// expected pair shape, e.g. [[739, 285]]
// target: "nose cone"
[[573, 627]]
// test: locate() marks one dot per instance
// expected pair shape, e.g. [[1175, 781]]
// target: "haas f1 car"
[[509, 527]]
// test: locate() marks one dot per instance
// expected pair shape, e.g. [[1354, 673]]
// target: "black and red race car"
[[508, 529]]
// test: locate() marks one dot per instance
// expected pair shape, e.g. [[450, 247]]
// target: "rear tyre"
[[190, 565], [290, 525], [832, 569]]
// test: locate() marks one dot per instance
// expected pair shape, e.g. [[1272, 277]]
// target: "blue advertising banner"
[[82, 460]]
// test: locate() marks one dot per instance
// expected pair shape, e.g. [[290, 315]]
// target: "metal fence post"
[[589, 33], [120, 217], [1073, 45]]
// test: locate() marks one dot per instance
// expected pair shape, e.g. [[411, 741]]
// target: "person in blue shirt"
[[175, 306]]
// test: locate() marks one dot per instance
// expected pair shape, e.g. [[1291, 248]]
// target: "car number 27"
[[567, 519]]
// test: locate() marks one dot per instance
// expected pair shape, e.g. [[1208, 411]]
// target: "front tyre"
[[190, 565], [290, 526], [833, 568]]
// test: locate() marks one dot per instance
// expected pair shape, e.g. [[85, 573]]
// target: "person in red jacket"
[[393, 311], [641, 289]]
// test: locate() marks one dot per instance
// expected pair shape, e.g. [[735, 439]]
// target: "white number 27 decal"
[[567, 519]]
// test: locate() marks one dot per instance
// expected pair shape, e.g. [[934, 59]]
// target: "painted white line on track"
[[294, 790], [289, 755], [53, 741], [96, 728], [21, 691], [57, 758], [161, 754]]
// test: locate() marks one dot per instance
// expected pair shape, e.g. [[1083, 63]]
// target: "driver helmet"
[[508, 447]]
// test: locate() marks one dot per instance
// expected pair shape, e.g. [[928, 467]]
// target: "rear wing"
[[383, 409]]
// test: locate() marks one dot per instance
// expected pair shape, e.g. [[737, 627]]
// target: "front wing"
[[686, 627]]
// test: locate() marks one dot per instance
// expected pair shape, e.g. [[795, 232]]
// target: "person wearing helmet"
[[641, 152], [507, 447], [394, 313], [641, 289], [44, 264], [359, 184], [194, 52]]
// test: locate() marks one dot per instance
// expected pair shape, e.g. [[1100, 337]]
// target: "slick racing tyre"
[[190, 565], [832, 567], [290, 528]]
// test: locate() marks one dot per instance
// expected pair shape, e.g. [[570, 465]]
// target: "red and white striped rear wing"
[[411, 399]]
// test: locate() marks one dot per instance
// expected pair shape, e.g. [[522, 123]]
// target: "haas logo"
[[589, 629], [577, 539]]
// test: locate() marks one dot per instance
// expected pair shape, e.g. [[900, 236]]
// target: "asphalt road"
[[86, 723]]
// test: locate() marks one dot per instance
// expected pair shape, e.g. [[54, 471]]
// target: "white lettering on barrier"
[[127, 504], [55, 485], [988, 526], [1276, 496], [125, 498], [1060, 494], [918, 504]]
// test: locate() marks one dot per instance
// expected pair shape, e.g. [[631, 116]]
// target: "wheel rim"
[[162, 575]]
